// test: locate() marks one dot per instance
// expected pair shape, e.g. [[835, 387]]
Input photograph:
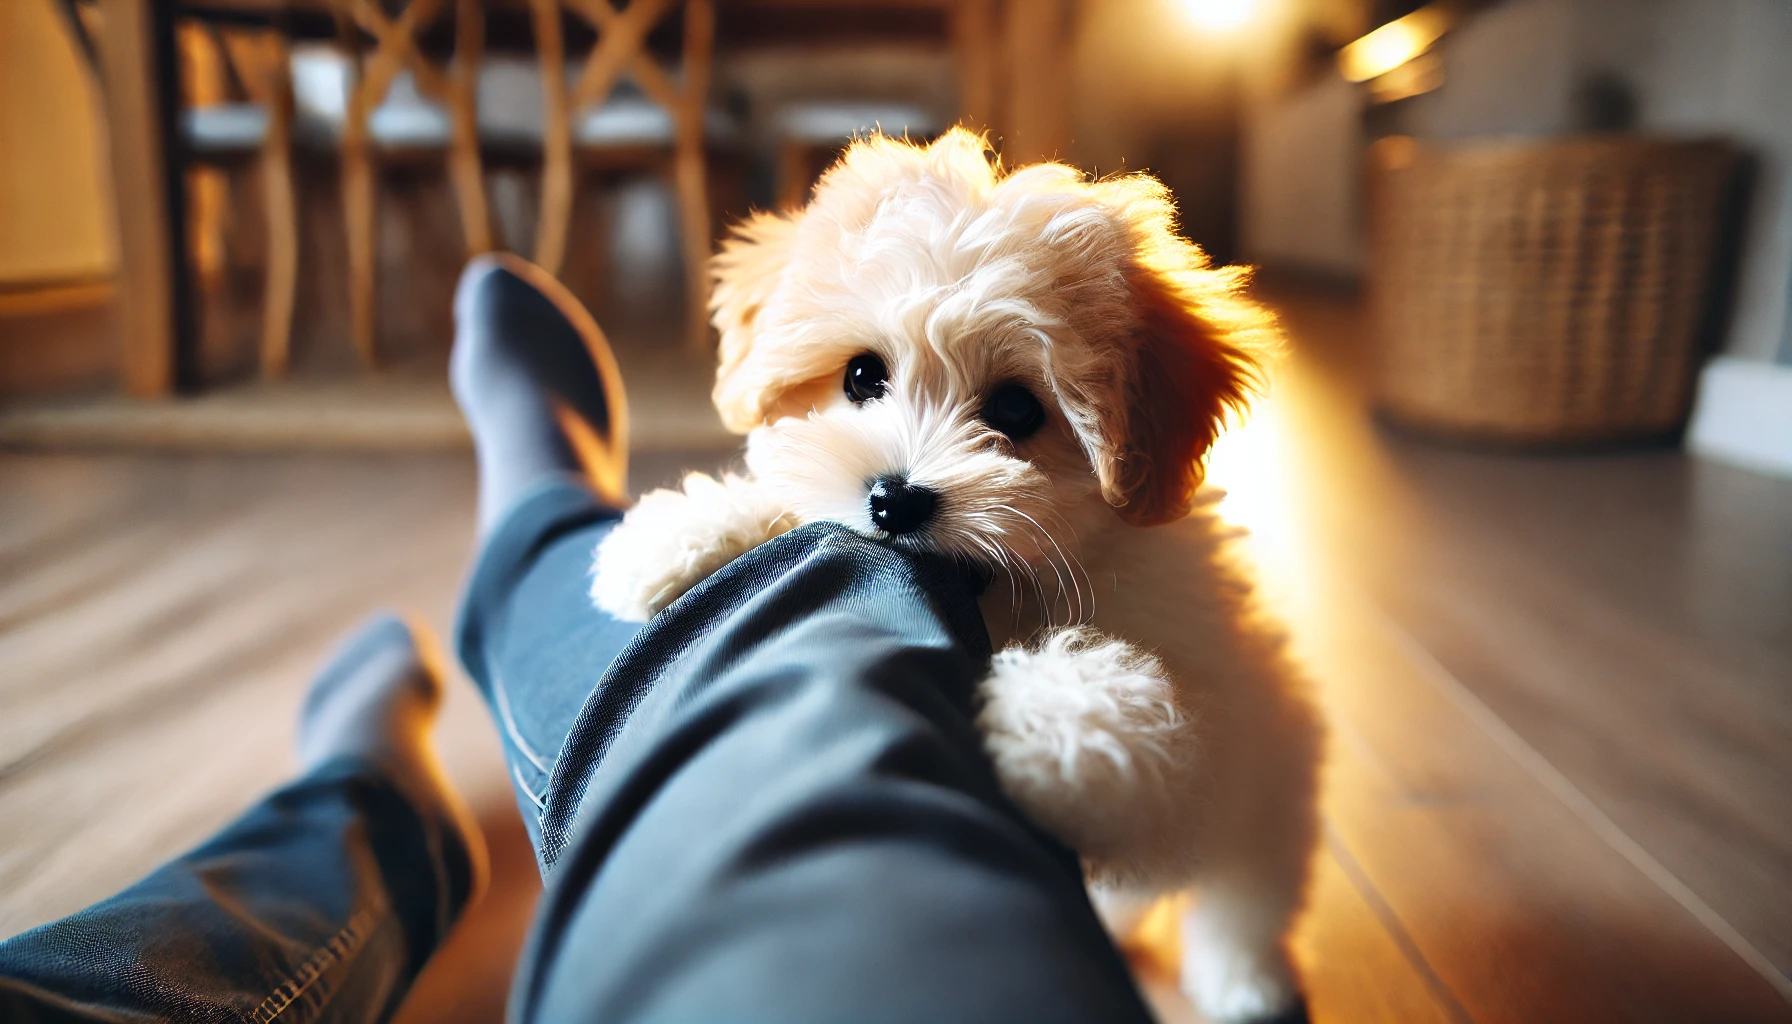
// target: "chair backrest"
[[406, 119], [622, 37]]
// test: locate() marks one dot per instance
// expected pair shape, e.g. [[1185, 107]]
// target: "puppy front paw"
[[672, 540], [1088, 739]]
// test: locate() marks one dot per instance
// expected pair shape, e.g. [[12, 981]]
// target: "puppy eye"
[[1014, 411], [866, 378]]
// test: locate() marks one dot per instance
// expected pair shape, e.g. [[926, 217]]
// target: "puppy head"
[[953, 357]]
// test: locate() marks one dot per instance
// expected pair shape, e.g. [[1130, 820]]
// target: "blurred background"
[[1523, 484]]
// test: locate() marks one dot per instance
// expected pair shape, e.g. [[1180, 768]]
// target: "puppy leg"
[[1235, 963], [1087, 738], [671, 540]]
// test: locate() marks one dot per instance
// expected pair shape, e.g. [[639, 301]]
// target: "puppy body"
[[1047, 362], [1223, 799]]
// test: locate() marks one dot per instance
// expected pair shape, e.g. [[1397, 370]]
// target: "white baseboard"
[[1743, 415]]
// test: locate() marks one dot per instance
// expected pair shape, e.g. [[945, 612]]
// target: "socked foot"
[[537, 383], [376, 701]]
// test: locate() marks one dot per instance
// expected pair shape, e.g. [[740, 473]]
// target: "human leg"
[[544, 403], [774, 806], [321, 903]]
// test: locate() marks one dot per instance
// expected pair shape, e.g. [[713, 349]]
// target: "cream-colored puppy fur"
[[1141, 706]]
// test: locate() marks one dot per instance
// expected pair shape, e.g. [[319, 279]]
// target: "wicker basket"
[[1543, 292]]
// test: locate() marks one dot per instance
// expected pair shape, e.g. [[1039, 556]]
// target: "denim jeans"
[[767, 804]]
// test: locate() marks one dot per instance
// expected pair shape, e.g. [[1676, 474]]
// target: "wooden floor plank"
[[179, 624], [1704, 783], [1355, 958], [1522, 910], [236, 614], [42, 521], [1353, 966], [1622, 612]]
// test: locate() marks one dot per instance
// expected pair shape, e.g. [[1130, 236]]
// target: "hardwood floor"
[[1558, 687], [1559, 783], [160, 616]]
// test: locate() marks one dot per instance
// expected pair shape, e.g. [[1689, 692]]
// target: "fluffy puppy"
[[1026, 369]]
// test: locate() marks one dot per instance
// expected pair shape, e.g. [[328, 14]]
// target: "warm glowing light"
[[1415, 77], [1393, 44], [1156, 941], [1220, 15], [1254, 464]]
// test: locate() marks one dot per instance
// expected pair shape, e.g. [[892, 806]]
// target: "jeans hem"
[[341, 947]]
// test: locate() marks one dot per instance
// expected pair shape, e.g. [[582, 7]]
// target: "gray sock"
[[518, 359], [375, 702]]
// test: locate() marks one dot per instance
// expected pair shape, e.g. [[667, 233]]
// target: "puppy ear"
[[746, 272], [1197, 353]]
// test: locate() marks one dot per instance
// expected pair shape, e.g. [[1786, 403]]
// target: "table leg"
[[157, 354]]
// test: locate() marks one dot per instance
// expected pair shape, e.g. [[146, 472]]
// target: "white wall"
[[1302, 158], [1703, 67], [1509, 71], [1725, 66]]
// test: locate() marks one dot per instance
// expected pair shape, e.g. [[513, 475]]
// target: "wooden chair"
[[414, 126], [674, 110], [260, 129], [809, 124], [253, 123], [811, 130]]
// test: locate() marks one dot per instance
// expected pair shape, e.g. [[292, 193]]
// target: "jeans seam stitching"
[[502, 700], [540, 802], [344, 944]]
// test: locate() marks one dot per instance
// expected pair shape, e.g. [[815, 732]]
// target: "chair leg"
[[693, 184], [358, 215], [694, 229], [795, 165], [283, 234], [975, 53], [463, 156], [208, 197], [205, 72], [556, 171]]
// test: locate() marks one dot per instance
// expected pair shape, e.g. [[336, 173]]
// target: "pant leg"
[[528, 636], [321, 904], [773, 805]]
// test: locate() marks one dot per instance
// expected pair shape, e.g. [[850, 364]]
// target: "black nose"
[[898, 506]]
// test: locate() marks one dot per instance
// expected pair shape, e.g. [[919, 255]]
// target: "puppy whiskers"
[[1073, 563], [1005, 563], [1078, 611]]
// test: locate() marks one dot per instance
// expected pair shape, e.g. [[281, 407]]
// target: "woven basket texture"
[[1543, 292]]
